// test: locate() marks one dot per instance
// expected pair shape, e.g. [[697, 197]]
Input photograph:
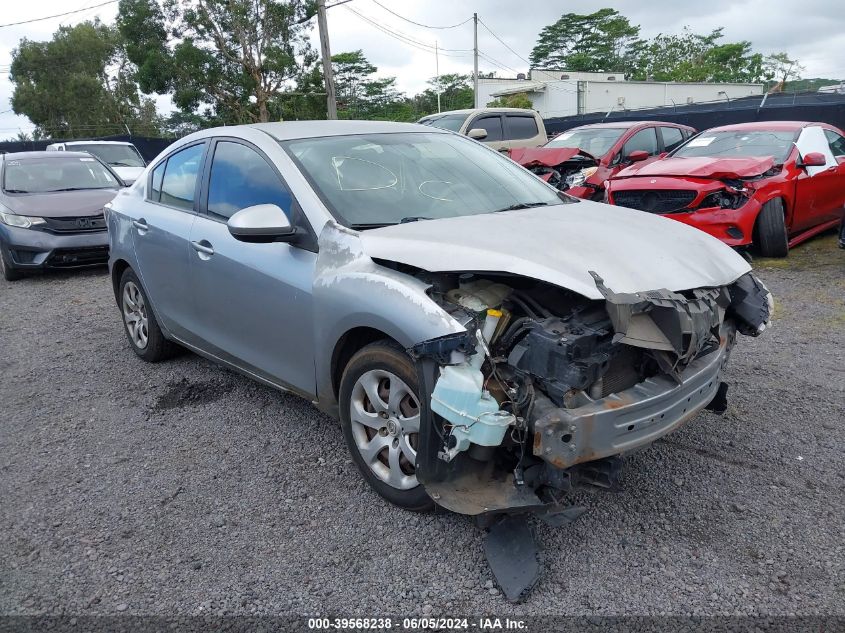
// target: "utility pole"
[[325, 49], [437, 73], [475, 58]]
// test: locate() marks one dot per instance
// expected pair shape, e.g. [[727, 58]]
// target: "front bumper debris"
[[632, 418]]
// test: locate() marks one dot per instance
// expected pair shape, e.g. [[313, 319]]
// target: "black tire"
[[771, 239], [383, 356], [9, 273], [156, 348]]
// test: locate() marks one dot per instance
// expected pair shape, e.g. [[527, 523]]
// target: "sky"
[[813, 31]]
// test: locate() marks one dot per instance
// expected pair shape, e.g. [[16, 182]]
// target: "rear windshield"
[[43, 175], [595, 141], [740, 144], [452, 122], [115, 155]]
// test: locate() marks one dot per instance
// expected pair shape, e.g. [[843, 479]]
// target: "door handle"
[[203, 247], [141, 225]]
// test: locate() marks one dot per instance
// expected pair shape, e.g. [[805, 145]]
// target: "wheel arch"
[[347, 346], [118, 268]]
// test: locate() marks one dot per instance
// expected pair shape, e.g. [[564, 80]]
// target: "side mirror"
[[477, 133], [638, 155], [813, 159], [261, 224]]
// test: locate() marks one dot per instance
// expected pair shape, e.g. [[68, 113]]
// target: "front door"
[[818, 189], [253, 301]]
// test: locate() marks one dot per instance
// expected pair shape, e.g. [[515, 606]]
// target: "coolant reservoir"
[[478, 294]]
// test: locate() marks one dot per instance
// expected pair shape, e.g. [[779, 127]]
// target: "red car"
[[773, 184], [580, 160]]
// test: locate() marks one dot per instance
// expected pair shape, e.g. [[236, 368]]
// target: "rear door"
[[160, 235], [521, 130], [253, 301]]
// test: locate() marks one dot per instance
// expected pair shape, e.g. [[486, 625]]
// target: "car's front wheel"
[[380, 415], [771, 239], [142, 330]]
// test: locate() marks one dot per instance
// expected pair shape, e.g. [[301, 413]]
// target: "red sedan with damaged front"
[[772, 184], [580, 160]]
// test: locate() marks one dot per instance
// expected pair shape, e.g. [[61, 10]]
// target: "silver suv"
[[487, 342]]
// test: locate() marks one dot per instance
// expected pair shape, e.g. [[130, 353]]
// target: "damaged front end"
[[543, 384], [546, 389], [562, 168]]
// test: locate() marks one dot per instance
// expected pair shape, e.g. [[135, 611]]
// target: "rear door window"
[[672, 137], [520, 127], [493, 126], [179, 184]]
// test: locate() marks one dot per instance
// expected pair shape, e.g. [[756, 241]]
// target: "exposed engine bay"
[[546, 388]]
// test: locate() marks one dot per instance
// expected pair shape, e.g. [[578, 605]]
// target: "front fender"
[[352, 291]]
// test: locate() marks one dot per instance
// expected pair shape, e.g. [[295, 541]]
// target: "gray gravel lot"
[[181, 488]]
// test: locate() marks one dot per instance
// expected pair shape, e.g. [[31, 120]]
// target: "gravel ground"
[[181, 488]]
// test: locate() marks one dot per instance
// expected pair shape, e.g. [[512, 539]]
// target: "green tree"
[[455, 94], [79, 84], [597, 42], [232, 56], [690, 56], [519, 100], [360, 94], [781, 68]]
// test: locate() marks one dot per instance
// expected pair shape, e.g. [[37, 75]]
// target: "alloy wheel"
[[135, 314], [385, 419]]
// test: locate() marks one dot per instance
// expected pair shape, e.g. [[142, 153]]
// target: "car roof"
[[45, 154], [774, 126], [630, 124], [289, 130], [92, 143], [469, 111]]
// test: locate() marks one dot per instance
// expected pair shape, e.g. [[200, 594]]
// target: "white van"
[[124, 158]]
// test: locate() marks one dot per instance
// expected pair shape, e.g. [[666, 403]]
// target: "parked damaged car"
[[51, 211], [487, 342], [772, 184], [580, 160]]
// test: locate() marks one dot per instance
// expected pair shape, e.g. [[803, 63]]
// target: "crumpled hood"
[[632, 251], [545, 156], [702, 167], [61, 204]]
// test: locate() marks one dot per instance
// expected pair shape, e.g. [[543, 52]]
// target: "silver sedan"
[[486, 342]]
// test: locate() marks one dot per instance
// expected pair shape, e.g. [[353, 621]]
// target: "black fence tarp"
[[148, 146], [826, 108]]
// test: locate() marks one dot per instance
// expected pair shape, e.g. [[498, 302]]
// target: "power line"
[[428, 48], [425, 26], [489, 30], [58, 15]]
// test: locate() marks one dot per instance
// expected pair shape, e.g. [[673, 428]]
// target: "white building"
[[556, 93]]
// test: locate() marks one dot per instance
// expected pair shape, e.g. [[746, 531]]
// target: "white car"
[[124, 158]]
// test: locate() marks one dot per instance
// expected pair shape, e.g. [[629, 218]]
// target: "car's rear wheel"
[[142, 330], [771, 239], [380, 416], [9, 273]]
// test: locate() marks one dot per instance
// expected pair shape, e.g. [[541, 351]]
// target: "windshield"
[[739, 143], [379, 179], [116, 155], [596, 141], [451, 122], [43, 175]]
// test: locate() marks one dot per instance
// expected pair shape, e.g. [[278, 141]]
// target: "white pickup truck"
[[500, 128]]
